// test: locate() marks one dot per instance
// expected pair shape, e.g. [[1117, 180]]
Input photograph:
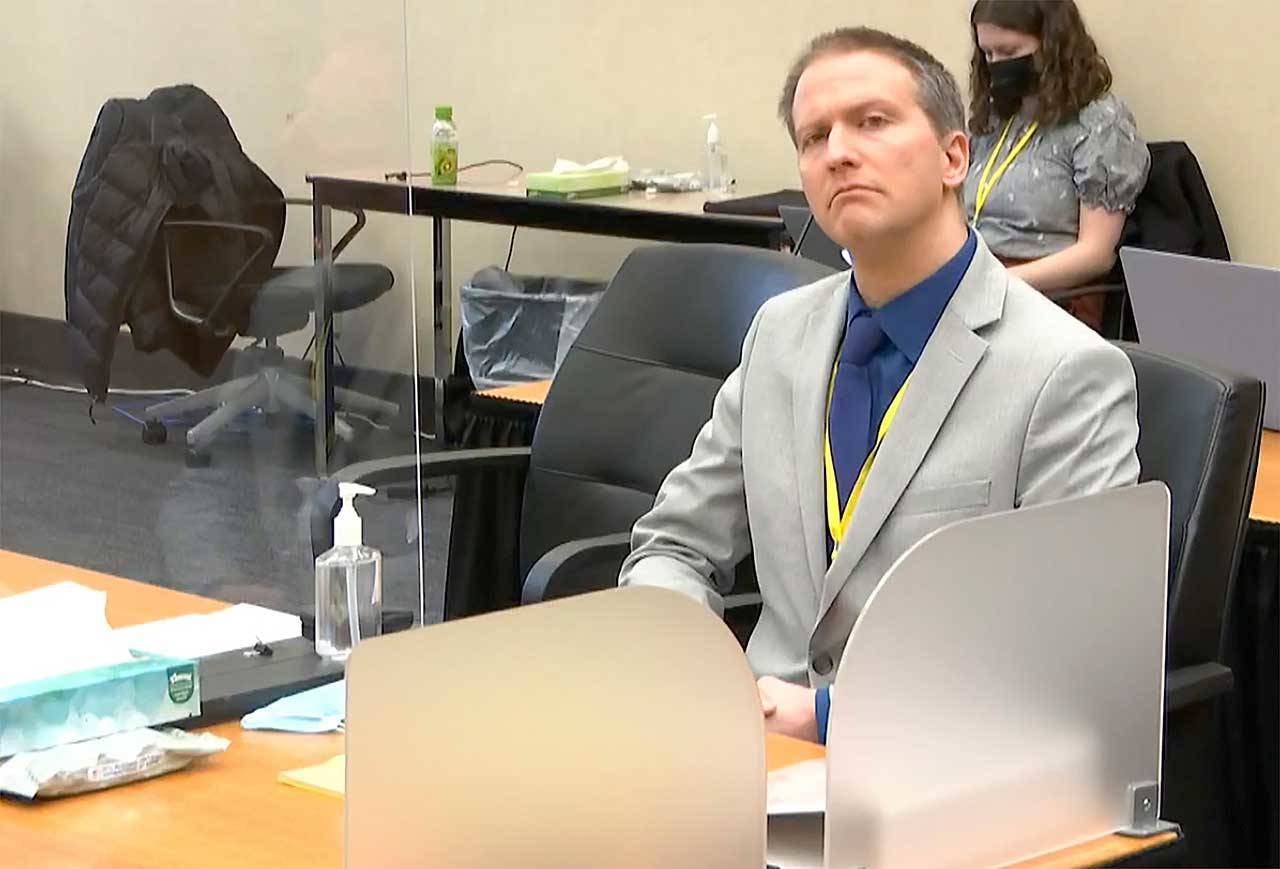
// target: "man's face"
[[871, 164]]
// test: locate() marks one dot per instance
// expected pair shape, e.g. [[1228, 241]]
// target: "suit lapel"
[[949, 359], [815, 354]]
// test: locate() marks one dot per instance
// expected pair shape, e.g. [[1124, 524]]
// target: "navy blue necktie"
[[849, 423]]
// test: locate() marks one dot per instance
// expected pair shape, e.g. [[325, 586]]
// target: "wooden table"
[[229, 810], [533, 393], [1266, 488]]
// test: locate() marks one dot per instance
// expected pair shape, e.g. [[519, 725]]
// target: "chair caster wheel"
[[154, 432], [197, 459]]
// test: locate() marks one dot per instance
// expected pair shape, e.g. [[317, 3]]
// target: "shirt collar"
[[909, 319]]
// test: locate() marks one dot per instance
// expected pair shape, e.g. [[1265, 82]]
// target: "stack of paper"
[[198, 636], [328, 778], [798, 789]]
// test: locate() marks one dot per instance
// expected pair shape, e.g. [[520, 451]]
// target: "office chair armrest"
[[602, 556], [207, 322], [1195, 684], [392, 475], [446, 463], [742, 601], [357, 213], [1086, 290], [599, 557]]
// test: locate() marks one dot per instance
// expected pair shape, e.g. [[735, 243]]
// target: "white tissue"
[[604, 164], [60, 628]]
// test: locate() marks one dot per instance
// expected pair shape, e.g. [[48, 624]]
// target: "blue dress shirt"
[[865, 385]]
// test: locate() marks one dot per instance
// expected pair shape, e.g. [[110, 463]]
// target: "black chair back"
[[638, 384], [1200, 429]]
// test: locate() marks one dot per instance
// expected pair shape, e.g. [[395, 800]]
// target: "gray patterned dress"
[[1096, 159]]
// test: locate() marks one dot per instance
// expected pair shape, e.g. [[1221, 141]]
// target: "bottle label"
[[444, 164]]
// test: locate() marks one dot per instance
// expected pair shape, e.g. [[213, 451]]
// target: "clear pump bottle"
[[348, 583]]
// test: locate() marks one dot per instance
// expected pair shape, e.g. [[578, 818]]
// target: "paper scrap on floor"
[[316, 710], [198, 636], [798, 789], [61, 628], [329, 778]]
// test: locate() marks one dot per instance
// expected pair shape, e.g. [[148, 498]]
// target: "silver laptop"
[[811, 242], [1225, 313]]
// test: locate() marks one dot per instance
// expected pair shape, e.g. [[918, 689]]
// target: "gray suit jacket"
[[1013, 402]]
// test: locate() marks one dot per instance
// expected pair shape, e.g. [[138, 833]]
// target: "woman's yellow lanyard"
[[837, 521], [988, 180]]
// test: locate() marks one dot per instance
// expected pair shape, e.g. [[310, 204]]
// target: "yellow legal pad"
[[324, 778]]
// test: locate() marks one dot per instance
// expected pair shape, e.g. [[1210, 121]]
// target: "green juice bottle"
[[444, 148]]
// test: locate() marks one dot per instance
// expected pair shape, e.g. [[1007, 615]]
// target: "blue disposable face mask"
[[319, 710]]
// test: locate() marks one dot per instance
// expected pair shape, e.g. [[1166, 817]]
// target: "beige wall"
[[320, 84]]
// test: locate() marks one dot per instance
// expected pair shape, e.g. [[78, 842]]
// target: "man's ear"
[[955, 157]]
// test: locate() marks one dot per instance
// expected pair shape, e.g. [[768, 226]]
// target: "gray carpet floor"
[[93, 495]]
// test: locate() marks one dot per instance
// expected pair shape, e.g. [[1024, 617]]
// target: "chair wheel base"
[[154, 432], [197, 459]]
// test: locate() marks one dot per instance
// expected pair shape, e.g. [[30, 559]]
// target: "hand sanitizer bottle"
[[718, 178], [348, 583]]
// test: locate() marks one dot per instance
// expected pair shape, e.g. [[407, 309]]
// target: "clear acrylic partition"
[[306, 89], [620, 728], [1003, 687]]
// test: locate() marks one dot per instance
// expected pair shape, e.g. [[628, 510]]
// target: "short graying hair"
[[936, 88]]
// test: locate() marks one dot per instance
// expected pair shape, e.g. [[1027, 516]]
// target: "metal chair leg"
[[205, 399], [200, 435]]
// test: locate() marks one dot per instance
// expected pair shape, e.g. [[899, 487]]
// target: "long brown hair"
[[1072, 72]]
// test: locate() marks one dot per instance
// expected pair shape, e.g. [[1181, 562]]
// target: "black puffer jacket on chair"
[[171, 155]]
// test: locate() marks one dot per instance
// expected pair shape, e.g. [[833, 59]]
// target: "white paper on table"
[[798, 789], [197, 636], [60, 628]]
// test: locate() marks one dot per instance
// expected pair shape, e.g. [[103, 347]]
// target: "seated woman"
[[1056, 162]]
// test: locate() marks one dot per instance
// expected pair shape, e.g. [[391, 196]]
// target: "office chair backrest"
[[639, 383], [1199, 432], [1175, 211]]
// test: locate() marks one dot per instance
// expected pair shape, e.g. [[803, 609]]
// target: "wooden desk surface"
[[229, 810], [524, 393], [1266, 488]]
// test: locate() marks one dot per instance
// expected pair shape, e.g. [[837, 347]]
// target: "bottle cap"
[[348, 529]]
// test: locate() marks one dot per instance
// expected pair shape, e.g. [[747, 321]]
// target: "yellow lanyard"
[[838, 522], [985, 186]]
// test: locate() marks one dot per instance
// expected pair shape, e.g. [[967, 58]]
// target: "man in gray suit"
[[873, 407]]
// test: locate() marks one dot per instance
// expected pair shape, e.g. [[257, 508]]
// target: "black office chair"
[[1199, 432], [282, 303], [623, 410], [1175, 214]]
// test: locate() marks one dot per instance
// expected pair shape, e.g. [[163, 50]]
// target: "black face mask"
[[1011, 80]]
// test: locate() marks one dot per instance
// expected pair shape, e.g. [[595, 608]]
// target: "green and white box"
[[144, 692]]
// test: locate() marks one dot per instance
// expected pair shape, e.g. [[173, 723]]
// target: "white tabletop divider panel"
[[1001, 694], [620, 729]]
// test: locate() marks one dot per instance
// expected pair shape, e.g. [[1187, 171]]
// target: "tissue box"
[[577, 185], [146, 691]]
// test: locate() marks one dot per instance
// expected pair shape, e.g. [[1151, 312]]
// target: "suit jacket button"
[[822, 664]]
